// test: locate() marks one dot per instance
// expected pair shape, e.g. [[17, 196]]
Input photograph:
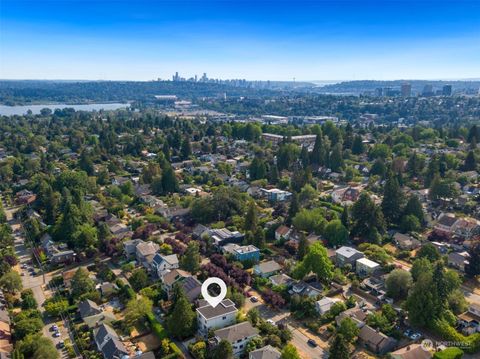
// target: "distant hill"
[[369, 86], [13, 92]]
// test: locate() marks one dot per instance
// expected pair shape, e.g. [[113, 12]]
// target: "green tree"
[[85, 237], [421, 303], [428, 251], [302, 247], [169, 180], [223, 350], [398, 283], [186, 150], [414, 207], [317, 261], [358, 147], [11, 282], [339, 348], [409, 223], [191, 259], [137, 310], [290, 352], [138, 279], [182, 321], [470, 163], [251, 220], [294, 207], [318, 153], [253, 316], [367, 219], [336, 233], [420, 265], [472, 269], [392, 202], [348, 329], [81, 283], [257, 169], [56, 306]]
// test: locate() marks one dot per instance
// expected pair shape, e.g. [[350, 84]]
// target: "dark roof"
[[114, 349], [102, 331], [88, 308], [447, 220]]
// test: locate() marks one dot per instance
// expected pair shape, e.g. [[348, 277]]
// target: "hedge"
[[449, 353], [449, 333], [157, 328], [176, 350]]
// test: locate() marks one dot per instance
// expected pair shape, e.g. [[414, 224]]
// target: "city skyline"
[[278, 41]]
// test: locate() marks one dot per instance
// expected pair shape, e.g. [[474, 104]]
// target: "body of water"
[[21, 110]]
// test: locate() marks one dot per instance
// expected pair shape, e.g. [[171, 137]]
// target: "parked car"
[[254, 299], [312, 342], [270, 322], [54, 328], [415, 336], [61, 344], [56, 334]]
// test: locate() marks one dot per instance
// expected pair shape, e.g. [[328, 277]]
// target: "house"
[[365, 267], [243, 253], [347, 255], [405, 242], [224, 236], [107, 288], [267, 352], [63, 257], [305, 289], [25, 197], [376, 341], [88, 308], [411, 351], [325, 304], [346, 195], [275, 194], [163, 263], [470, 320], [238, 335], [108, 343], [281, 279], [145, 251], [199, 231], [282, 232], [267, 269], [358, 315], [130, 247], [458, 260], [221, 316], [191, 285]]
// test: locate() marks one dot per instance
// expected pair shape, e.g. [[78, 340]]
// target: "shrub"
[[156, 327]]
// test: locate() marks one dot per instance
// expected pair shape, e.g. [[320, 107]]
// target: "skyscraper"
[[406, 90], [447, 90]]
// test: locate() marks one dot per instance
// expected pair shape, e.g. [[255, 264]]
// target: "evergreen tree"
[[304, 157], [302, 247], [273, 174], [294, 207], [472, 269], [345, 218], [251, 220], [257, 169], [186, 150], [367, 220], [470, 163], [182, 321], [392, 201], [169, 180], [339, 348], [191, 259], [414, 207], [473, 135], [318, 152], [259, 238], [358, 147], [336, 158]]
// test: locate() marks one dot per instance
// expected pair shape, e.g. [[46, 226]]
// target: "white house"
[[365, 267], [221, 316], [162, 264], [325, 304], [238, 335]]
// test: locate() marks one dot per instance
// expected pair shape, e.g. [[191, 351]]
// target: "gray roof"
[[267, 352], [102, 331], [209, 312], [88, 308], [347, 252], [268, 267], [236, 332], [114, 349]]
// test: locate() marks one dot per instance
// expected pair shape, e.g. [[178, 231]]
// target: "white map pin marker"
[[214, 301]]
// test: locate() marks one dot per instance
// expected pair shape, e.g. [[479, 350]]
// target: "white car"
[[269, 321]]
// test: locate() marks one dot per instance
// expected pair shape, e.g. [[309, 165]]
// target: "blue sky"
[[276, 40]]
